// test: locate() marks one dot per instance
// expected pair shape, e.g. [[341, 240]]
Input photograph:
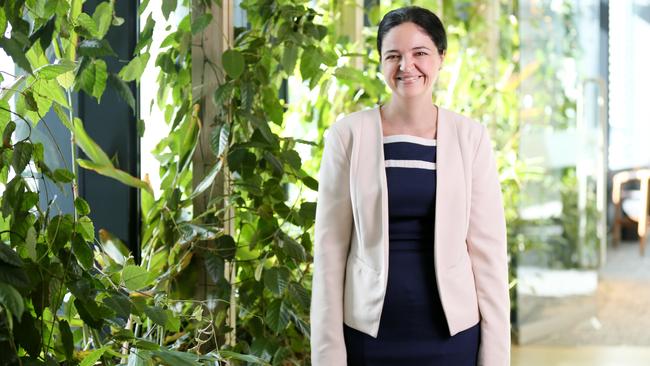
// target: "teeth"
[[410, 78]]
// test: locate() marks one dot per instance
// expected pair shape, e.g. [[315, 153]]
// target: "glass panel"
[[562, 137]]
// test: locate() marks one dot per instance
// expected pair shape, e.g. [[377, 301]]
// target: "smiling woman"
[[410, 264]]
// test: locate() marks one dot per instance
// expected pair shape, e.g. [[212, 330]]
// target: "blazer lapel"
[[450, 191]]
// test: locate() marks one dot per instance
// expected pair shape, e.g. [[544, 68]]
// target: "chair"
[[619, 195]]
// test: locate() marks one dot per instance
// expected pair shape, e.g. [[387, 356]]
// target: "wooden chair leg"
[[618, 216], [643, 215], [616, 230]]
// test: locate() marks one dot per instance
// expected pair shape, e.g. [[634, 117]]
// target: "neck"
[[412, 112]]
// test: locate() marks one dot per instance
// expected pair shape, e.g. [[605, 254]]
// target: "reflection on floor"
[[580, 356], [622, 305], [616, 331]]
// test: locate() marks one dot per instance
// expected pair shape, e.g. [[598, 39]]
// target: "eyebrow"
[[412, 49]]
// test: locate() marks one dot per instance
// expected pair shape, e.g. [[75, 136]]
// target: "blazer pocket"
[[363, 291], [460, 277]]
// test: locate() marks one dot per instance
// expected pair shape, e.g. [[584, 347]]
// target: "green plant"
[[65, 295]]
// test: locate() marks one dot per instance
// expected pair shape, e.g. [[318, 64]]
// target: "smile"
[[409, 78]]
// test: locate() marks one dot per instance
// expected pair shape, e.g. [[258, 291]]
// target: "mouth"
[[409, 78]]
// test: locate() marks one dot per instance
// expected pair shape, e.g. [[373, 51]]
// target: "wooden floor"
[[580, 356]]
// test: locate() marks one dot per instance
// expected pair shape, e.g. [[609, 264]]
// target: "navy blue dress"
[[413, 329]]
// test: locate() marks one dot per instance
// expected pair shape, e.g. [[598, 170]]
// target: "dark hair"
[[423, 18]]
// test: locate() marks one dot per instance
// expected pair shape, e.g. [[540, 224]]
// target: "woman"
[[410, 262]]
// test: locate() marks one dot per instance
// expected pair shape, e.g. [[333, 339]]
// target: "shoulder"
[[350, 125], [354, 120], [469, 131]]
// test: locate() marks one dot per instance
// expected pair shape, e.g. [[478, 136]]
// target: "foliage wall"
[[68, 296]]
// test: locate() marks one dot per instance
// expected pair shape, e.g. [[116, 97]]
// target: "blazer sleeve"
[[486, 240], [333, 229]]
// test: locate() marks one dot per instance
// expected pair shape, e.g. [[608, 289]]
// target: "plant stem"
[[73, 154]]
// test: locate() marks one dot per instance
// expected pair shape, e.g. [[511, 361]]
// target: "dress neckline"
[[410, 138]]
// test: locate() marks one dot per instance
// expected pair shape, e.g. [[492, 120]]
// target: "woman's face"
[[410, 61]]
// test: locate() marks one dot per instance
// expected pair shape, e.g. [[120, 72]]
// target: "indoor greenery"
[[68, 296]]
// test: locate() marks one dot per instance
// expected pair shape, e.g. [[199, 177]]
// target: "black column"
[[112, 124]]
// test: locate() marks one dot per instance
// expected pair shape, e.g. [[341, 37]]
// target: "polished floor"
[[580, 356], [618, 334]]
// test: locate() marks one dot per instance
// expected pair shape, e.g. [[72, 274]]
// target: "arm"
[[486, 241], [333, 229]]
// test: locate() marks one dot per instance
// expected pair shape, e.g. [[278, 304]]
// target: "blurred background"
[[563, 86]]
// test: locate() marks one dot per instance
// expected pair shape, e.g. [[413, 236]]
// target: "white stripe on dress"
[[410, 138], [410, 164]]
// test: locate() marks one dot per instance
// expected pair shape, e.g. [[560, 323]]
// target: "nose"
[[406, 63]]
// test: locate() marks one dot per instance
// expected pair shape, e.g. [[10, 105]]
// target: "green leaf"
[[289, 57], [220, 139], [86, 228], [156, 314], [275, 163], [82, 206], [309, 62], [9, 256], [276, 279], [112, 172], [201, 22], [28, 336], [93, 78], [117, 21], [95, 48], [167, 7], [175, 358], [122, 89], [292, 158], [11, 299], [277, 317], [5, 115], [59, 231], [226, 247], [88, 145], [120, 304], [88, 24], [145, 345], [63, 175], [299, 294], [208, 179], [93, 357], [272, 105], [233, 63], [134, 69], [22, 155], [134, 277], [66, 339], [311, 183], [293, 249], [44, 33], [140, 357], [223, 94], [230, 355], [103, 17], [145, 36], [15, 50], [140, 127], [30, 101], [6, 134], [52, 71], [81, 249], [100, 78]]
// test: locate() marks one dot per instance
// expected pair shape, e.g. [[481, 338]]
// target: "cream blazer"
[[350, 269]]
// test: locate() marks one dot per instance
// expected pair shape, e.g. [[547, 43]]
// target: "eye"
[[389, 57], [420, 53]]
